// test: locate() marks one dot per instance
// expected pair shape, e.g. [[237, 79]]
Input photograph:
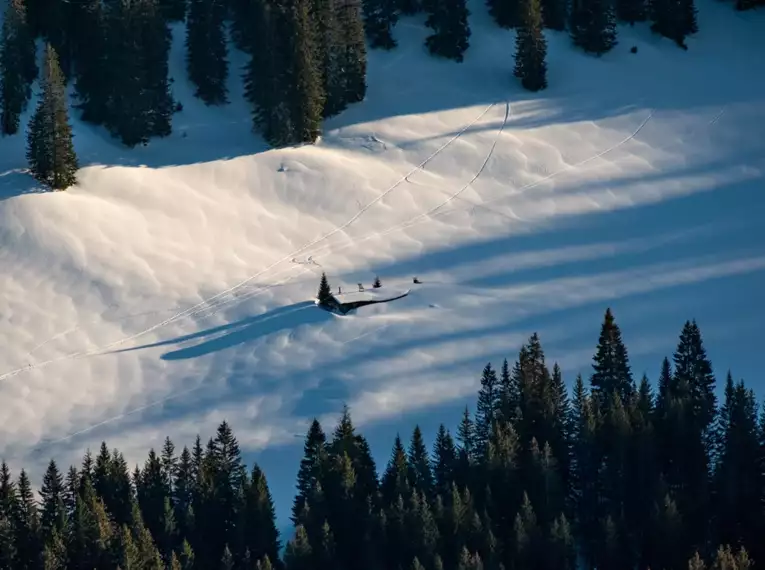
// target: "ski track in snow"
[[215, 307]]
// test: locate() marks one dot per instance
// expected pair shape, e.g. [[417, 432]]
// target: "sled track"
[[207, 302]]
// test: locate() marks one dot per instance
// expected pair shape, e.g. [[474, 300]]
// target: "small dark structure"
[[361, 288], [335, 306], [416, 281], [633, 49]]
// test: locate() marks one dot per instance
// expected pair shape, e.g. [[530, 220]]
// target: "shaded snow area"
[[174, 286]]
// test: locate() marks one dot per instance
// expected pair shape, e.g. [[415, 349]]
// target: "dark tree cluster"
[[308, 63], [614, 475], [451, 32]]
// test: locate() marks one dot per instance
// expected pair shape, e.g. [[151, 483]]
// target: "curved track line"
[[195, 309]]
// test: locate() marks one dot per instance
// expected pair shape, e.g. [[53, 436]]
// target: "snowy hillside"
[[172, 287]]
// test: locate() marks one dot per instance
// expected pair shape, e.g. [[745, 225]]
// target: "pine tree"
[[50, 151], [611, 369], [631, 11], [173, 11], [303, 89], [298, 554], [486, 409], [353, 60], [377, 283], [506, 13], [674, 19], [593, 25], [451, 31], [92, 71], [444, 461], [207, 51], [420, 473], [53, 516], [266, 75], [258, 520], [554, 13], [380, 16], [325, 293], [17, 66]]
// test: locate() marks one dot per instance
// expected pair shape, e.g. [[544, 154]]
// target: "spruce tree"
[[17, 66], [611, 369], [206, 55], [303, 89], [54, 515], [92, 71], [554, 13], [380, 16], [266, 75], [173, 10], [420, 473], [631, 11], [325, 293], [486, 409], [50, 151], [506, 13], [593, 25], [451, 31], [674, 19], [353, 61]]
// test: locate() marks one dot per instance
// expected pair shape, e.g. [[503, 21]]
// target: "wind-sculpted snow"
[[173, 286]]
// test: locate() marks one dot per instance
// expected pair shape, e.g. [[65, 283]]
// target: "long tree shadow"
[[241, 331]]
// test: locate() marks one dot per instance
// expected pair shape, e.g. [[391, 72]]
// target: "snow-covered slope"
[[172, 288]]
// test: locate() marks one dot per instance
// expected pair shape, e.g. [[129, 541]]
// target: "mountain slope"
[[173, 286]]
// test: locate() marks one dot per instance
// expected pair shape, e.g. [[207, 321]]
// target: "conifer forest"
[[307, 58], [615, 473]]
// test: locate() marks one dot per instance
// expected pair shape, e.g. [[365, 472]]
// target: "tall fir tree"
[[304, 93], [380, 17], [50, 151], [91, 71], [18, 67], [451, 31], [353, 51], [265, 78], [206, 50], [593, 25]]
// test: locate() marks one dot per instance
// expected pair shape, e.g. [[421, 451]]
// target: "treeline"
[[611, 476]]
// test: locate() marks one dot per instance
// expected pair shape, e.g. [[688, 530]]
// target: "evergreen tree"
[[258, 522], [395, 481], [674, 19], [486, 409], [207, 51], [554, 13], [54, 515], [611, 369], [325, 293], [50, 151], [92, 71], [138, 102], [266, 77], [593, 25], [451, 31], [420, 473], [444, 461], [631, 11], [303, 88], [380, 16], [298, 555], [353, 51], [173, 11], [17, 65], [506, 13]]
